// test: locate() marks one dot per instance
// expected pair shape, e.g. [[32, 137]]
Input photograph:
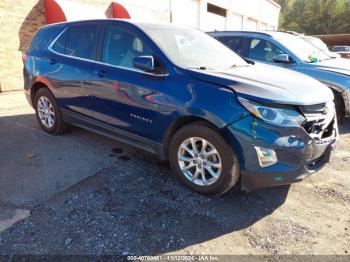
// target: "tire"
[[339, 106], [56, 126], [229, 171]]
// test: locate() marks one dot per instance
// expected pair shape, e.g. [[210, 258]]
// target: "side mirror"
[[282, 58], [144, 63]]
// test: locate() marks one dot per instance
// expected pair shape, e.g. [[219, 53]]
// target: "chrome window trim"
[[95, 61]]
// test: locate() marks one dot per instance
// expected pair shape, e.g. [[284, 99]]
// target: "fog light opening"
[[267, 157]]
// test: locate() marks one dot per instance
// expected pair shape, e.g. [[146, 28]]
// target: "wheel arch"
[[190, 119], [38, 84], [342, 94]]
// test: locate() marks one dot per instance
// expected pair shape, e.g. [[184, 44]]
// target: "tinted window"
[[60, 43], [341, 49], [263, 50], [234, 43], [121, 46], [43, 37], [81, 41]]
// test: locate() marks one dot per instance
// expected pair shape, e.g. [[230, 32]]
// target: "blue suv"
[[292, 52], [179, 93]]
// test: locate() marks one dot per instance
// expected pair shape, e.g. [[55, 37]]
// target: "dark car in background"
[[344, 51], [179, 93], [291, 52]]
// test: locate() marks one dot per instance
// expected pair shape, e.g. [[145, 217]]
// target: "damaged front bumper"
[[300, 150]]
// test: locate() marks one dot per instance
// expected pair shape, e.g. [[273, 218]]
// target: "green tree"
[[315, 16]]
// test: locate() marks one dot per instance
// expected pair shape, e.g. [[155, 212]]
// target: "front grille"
[[320, 120], [313, 109]]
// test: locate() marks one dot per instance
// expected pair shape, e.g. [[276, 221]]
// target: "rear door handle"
[[52, 61], [100, 73]]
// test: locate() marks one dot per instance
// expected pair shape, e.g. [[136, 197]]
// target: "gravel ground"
[[134, 205]]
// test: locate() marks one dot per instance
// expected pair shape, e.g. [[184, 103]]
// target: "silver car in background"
[[318, 43], [292, 52]]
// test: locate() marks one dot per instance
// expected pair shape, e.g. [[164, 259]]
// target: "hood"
[[267, 83], [338, 65]]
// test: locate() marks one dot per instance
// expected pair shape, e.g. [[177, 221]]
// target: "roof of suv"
[[274, 34], [128, 21]]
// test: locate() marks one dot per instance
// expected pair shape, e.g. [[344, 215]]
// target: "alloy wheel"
[[199, 161], [46, 112]]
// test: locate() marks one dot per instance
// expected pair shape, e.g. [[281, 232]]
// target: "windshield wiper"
[[237, 66], [202, 68]]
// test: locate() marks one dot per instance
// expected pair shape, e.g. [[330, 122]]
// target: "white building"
[[208, 15]]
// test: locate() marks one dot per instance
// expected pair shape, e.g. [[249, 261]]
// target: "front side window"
[[234, 43], [82, 41], [263, 50], [121, 46]]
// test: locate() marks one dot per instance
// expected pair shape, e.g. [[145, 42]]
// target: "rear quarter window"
[[44, 37], [60, 44]]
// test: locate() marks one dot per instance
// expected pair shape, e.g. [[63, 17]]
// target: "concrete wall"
[[19, 21]]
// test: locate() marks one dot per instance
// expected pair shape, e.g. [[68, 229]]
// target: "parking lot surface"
[[81, 193]]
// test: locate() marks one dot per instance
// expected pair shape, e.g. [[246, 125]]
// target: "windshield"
[[316, 42], [191, 48], [302, 49]]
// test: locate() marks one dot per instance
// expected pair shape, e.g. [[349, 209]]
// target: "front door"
[[123, 96]]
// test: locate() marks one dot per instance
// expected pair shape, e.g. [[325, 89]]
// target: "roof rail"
[[241, 31]]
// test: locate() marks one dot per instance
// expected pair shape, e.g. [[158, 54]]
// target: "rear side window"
[[81, 41], [236, 44]]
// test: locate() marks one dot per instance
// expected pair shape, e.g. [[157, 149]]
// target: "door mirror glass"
[[144, 63], [282, 58]]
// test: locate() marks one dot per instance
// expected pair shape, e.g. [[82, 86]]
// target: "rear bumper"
[[298, 154], [28, 97]]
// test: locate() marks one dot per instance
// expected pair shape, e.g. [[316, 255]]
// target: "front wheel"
[[203, 160]]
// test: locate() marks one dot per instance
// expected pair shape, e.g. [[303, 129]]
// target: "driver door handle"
[[100, 73]]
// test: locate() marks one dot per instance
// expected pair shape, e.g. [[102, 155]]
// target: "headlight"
[[276, 115]]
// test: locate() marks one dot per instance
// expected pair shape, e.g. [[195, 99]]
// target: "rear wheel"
[[203, 160], [48, 113]]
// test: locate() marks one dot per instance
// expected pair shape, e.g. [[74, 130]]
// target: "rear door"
[[70, 66]]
